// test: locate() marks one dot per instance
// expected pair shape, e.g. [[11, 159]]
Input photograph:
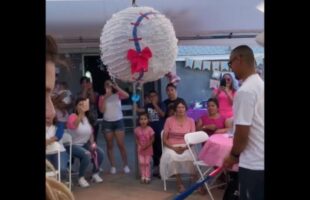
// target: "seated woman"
[[176, 158], [83, 144], [213, 122], [52, 135]]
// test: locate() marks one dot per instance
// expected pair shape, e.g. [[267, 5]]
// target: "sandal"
[[147, 180], [142, 180]]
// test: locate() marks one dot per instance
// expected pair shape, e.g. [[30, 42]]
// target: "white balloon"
[[155, 31]]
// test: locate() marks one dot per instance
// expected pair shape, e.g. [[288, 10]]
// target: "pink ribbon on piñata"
[[139, 60]]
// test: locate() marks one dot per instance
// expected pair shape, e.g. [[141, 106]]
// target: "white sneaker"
[[113, 170], [83, 183], [97, 178], [126, 169]]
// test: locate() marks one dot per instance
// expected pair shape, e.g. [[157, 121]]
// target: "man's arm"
[[241, 138]]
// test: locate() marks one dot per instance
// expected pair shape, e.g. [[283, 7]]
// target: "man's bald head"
[[245, 53]]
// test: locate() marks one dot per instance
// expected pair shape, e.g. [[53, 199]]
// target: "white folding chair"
[[67, 140], [192, 141], [51, 149], [163, 147]]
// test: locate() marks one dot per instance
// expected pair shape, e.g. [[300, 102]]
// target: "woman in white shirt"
[[83, 144], [113, 124]]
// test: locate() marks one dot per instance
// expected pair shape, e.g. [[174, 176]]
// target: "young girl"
[[144, 139]]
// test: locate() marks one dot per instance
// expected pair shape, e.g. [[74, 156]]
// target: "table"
[[196, 113], [217, 147]]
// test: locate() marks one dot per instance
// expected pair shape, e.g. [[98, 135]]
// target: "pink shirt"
[[176, 131], [218, 122], [225, 107], [144, 136]]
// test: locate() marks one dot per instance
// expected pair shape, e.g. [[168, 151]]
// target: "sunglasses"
[[231, 61]]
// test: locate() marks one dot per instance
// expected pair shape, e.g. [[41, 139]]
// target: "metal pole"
[[134, 114]]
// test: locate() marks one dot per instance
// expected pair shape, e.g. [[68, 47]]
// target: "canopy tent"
[[78, 24]]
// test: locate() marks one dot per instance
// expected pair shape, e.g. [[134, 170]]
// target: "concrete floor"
[[127, 186]]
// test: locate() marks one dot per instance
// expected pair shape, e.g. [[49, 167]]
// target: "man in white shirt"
[[248, 106]]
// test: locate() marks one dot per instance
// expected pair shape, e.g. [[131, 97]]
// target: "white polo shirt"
[[248, 109]]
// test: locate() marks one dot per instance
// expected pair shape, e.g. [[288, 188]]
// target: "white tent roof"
[[73, 21]]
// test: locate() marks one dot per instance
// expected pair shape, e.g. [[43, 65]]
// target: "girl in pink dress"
[[144, 140], [225, 96]]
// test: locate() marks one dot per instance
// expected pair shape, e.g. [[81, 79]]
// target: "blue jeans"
[[251, 184], [109, 127], [64, 157], [84, 155]]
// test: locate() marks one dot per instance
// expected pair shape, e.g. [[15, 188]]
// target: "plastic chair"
[[192, 141], [163, 147], [66, 140], [51, 149]]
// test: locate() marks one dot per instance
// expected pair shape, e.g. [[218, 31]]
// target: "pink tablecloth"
[[216, 149], [196, 113]]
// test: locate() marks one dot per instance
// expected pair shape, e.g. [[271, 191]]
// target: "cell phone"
[[223, 82]]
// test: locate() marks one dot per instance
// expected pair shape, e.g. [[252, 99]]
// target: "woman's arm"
[[199, 125], [216, 92], [123, 94], [92, 137], [222, 130], [230, 96], [74, 121], [50, 140], [101, 104], [165, 140], [228, 125]]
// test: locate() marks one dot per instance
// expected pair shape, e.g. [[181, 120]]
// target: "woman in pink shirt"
[[225, 95], [176, 158], [213, 122], [144, 140]]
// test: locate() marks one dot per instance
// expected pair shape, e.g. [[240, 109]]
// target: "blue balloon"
[[135, 97]]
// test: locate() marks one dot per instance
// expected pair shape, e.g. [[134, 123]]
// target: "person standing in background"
[[225, 96], [88, 92]]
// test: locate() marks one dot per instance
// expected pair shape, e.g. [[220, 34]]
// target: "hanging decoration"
[[138, 45], [172, 76]]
